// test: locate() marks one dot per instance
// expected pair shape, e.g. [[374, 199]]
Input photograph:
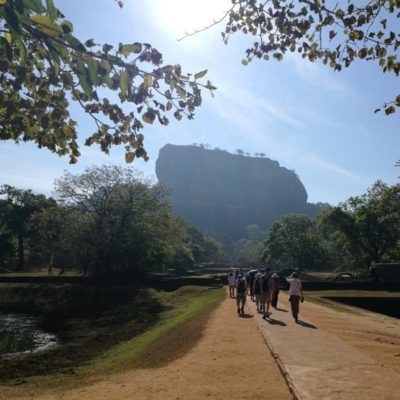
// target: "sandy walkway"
[[337, 353], [323, 355], [230, 361]]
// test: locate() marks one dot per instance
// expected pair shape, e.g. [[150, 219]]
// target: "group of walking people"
[[263, 288]]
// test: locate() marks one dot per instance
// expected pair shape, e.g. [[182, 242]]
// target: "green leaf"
[[67, 27], [74, 42], [12, 20], [46, 25], [200, 74], [94, 76], [84, 79], [181, 92], [55, 57], [35, 5], [6, 46], [52, 12], [123, 83], [62, 50], [2, 2], [126, 49], [90, 43], [22, 50], [148, 81]]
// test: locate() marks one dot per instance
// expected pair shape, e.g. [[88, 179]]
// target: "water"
[[19, 334]]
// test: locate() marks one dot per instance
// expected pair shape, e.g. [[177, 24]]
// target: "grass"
[[154, 327], [175, 334]]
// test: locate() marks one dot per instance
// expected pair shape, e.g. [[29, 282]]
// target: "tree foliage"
[[16, 208], [293, 241], [370, 223], [126, 223], [337, 33], [361, 230], [44, 67]]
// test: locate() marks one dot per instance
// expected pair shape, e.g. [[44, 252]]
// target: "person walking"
[[250, 279], [295, 295], [241, 293], [266, 286], [257, 291], [275, 290], [231, 284]]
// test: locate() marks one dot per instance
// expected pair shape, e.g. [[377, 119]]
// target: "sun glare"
[[175, 17]]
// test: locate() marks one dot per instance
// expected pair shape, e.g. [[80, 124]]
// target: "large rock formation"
[[222, 193]]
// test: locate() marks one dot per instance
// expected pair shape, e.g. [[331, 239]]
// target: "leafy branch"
[[60, 68]]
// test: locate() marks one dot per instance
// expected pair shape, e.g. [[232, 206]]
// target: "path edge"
[[282, 368]]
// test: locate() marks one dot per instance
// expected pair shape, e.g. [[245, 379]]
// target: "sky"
[[312, 120]]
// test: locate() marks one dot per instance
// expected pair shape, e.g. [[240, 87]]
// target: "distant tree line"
[[350, 236], [107, 220]]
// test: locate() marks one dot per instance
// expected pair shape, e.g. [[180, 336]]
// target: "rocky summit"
[[222, 193]]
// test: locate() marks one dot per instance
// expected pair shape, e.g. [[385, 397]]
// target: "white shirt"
[[295, 287]]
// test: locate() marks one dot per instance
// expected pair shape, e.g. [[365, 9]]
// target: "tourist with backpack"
[[241, 293], [266, 286], [257, 291]]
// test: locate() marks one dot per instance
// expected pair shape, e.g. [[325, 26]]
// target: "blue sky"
[[312, 120]]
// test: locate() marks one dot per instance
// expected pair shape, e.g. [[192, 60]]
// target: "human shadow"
[[273, 321], [281, 309], [306, 324], [245, 315]]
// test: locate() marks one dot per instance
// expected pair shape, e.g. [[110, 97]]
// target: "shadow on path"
[[281, 309], [245, 315], [306, 324], [273, 321]]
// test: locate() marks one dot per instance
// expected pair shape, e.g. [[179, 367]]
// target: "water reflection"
[[19, 334]]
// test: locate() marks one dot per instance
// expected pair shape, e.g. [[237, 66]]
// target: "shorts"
[[266, 297], [241, 296]]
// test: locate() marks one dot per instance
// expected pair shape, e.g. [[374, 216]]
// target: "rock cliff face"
[[222, 193]]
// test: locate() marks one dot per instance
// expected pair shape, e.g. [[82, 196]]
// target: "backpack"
[[241, 286], [264, 283]]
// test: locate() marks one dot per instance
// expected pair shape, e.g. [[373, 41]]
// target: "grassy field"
[[105, 328]]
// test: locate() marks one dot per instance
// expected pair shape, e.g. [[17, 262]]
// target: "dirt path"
[[230, 361]]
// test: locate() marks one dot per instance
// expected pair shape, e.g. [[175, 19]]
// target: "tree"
[[43, 67], [203, 248], [16, 208], [370, 223], [125, 224], [293, 241], [337, 33], [50, 231], [249, 250]]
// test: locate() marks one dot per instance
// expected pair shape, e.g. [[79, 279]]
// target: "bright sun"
[[180, 16]]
